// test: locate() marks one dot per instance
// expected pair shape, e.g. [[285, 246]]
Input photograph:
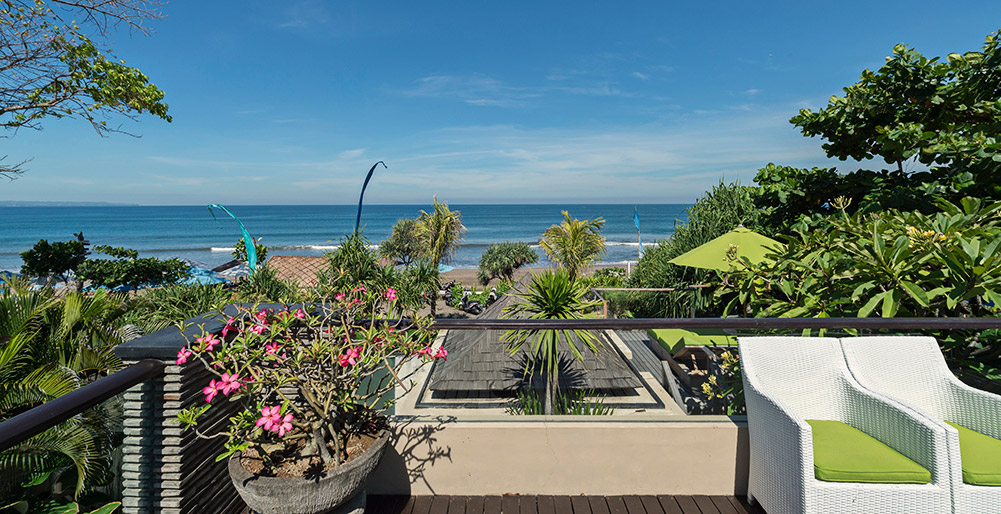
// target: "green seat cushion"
[[842, 453], [981, 456], [675, 339]]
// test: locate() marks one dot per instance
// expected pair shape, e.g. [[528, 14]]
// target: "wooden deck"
[[512, 504]]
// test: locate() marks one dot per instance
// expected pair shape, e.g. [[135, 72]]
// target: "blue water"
[[191, 232]]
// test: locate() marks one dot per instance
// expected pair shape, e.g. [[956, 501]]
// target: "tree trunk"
[[550, 394]]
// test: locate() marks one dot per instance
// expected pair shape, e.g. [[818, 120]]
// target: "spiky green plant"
[[551, 294], [440, 231]]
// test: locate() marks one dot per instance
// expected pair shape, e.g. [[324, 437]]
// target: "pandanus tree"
[[552, 294], [574, 244]]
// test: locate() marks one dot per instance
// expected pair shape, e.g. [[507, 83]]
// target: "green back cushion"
[[842, 453], [981, 456], [675, 339]]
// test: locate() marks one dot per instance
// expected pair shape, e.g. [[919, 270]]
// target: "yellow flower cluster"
[[931, 235]]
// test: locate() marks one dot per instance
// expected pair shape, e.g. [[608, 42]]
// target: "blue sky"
[[477, 101]]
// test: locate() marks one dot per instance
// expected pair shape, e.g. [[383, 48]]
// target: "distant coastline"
[[16, 203]]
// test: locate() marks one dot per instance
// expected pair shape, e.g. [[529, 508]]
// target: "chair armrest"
[[975, 409], [916, 437], [781, 443]]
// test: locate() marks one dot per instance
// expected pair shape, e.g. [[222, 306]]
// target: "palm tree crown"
[[574, 244], [440, 231]]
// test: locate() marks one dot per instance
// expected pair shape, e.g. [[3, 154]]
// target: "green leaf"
[[915, 292], [891, 303], [107, 509], [870, 305]]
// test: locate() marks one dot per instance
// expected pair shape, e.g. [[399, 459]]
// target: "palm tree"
[[574, 244], [550, 295], [49, 347], [440, 232]]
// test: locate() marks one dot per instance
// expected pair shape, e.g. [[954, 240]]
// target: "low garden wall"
[[581, 455]]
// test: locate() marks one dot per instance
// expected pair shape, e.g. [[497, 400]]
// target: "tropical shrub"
[[501, 259], [574, 244], [317, 377], [57, 259], [157, 307], [127, 269], [404, 244], [717, 212], [264, 286], [351, 263], [50, 346], [240, 250], [894, 263], [551, 294]]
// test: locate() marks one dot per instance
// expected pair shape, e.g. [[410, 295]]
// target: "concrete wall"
[[565, 457]]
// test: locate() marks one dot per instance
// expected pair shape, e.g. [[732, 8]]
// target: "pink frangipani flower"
[[391, 294], [284, 426], [229, 326], [269, 416], [339, 296], [271, 347], [300, 314], [258, 329], [208, 342], [229, 384], [182, 355], [211, 390]]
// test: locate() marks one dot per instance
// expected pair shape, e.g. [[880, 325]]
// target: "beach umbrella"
[[713, 255]]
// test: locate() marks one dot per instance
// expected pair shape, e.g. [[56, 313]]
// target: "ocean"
[[192, 233]]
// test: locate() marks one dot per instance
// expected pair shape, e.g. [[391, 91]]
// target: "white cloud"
[[640, 75]]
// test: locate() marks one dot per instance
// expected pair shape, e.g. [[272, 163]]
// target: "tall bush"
[[502, 259], [717, 212], [894, 263]]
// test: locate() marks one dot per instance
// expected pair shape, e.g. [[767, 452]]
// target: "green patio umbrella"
[[713, 255]]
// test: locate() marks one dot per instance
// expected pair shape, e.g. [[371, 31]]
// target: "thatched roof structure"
[[478, 360]]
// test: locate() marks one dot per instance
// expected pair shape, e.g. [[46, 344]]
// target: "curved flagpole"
[[362, 195], [248, 242]]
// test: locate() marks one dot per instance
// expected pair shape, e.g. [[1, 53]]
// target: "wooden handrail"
[[49, 414]]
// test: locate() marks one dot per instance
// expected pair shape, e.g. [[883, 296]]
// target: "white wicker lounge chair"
[[788, 380], [912, 371]]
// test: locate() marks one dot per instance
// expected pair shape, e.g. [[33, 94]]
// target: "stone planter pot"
[[336, 490]]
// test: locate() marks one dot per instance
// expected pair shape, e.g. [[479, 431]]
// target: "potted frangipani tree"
[[306, 392]]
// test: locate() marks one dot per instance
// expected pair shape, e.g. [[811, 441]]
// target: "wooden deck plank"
[[439, 505], [616, 505], [527, 504], [408, 505], [422, 505], [474, 505], [580, 505], [688, 505], [598, 505], [652, 505], [705, 504], [723, 504], [634, 505], [457, 505], [509, 504], [743, 507], [563, 505], [492, 505], [670, 504], [545, 504]]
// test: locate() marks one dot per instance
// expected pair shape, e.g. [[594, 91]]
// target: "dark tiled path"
[[559, 505]]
